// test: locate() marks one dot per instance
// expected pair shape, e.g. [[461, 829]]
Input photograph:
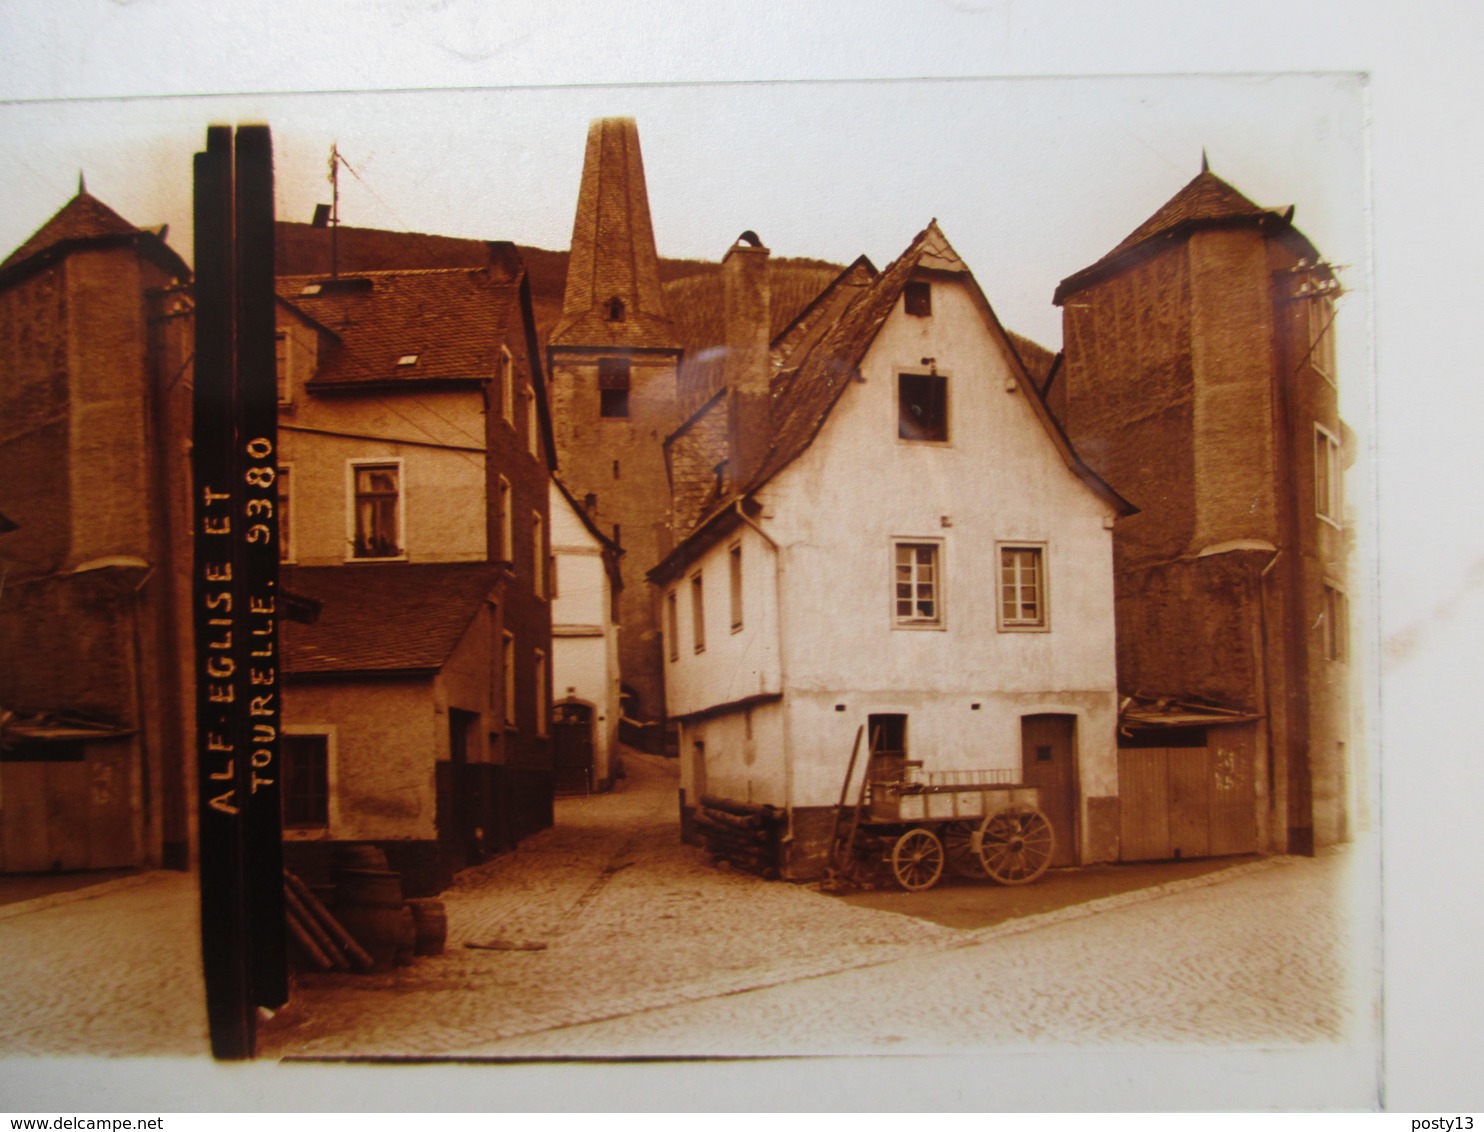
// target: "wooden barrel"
[[354, 855], [368, 902], [431, 920]]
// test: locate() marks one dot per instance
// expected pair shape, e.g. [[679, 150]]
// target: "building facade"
[[95, 624], [415, 459], [1198, 378], [889, 533]]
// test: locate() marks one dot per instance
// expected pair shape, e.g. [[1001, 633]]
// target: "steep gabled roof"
[[85, 220], [819, 369], [1205, 202], [383, 617], [452, 321]]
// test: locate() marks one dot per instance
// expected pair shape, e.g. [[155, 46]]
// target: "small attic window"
[[615, 309], [407, 360], [310, 289], [917, 298]]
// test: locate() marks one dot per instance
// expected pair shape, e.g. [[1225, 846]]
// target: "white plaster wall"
[[736, 663], [584, 666], [744, 756], [999, 477]]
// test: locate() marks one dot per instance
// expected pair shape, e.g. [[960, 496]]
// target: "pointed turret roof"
[[614, 269], [1205, 201], [86, 219]]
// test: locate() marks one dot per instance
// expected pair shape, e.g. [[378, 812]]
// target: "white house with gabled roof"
[[883, 527]]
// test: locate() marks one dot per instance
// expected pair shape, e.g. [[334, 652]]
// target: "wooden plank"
[[110, 816], [67, 796], [1190, 801], [1143, 791], [1233, 801], [23, 786]]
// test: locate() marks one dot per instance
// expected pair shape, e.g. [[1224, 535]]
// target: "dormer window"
[[615, 309], [407, 360], [917, 299]]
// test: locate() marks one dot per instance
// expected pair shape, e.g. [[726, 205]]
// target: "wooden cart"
[[976, 822]]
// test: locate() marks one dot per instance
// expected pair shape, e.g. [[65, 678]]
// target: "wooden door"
[[572, 748], [1047, 750]]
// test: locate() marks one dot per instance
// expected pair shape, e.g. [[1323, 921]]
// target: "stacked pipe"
[[369, 936], [744, 835]]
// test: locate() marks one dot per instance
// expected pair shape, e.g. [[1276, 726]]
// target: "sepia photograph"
[[701, 572]]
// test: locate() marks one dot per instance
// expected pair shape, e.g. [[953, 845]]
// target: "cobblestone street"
[[651, 951]]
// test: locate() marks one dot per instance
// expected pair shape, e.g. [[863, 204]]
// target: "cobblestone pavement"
[[652, 951]]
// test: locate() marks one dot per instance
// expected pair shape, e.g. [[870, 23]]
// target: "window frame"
[[734, 584], [507, 673], [939, 621], [506, 375], [933, 374], [1336, 626], [698, 612], [329, 732], [543, 699], [288, 548], [672, 619], [1328, 444], [626, 365], [353, 467], [538, 555], [917, 298], [1320, 331], [505, 502], [1043, 587]]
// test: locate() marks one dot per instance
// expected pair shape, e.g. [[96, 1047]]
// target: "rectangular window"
[[507, 521], [306, 782], [533, 440], [283, 362], [919, 585], [1321, 311], [1336, 624], [922, 403], [285, 514], [672, 623], [1022, 588], [507, 666], [506, 377], [698, 613], [378, 503], [917, 298], [613, 387], [1327, 499], [538, 555], [543, 711], [734, 563]]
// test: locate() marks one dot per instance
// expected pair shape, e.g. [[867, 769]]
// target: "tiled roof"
[[613, 253], [1206, 200], [824, 357], [382, 617], [84, 217], [1036, 358], [452, 321]]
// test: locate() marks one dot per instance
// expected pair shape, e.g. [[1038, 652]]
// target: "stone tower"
[[613, 358]]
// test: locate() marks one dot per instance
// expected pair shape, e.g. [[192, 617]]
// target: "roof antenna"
[[334, 210], [1205, 165], [82, 184]]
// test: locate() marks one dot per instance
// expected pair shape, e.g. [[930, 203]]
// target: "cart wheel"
[[958, 844], [1015, 844], [917, 859]]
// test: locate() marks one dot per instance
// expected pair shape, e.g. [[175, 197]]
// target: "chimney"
[[745, 366]]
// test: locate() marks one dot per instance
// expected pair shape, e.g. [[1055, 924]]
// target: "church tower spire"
[[613, 295]]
